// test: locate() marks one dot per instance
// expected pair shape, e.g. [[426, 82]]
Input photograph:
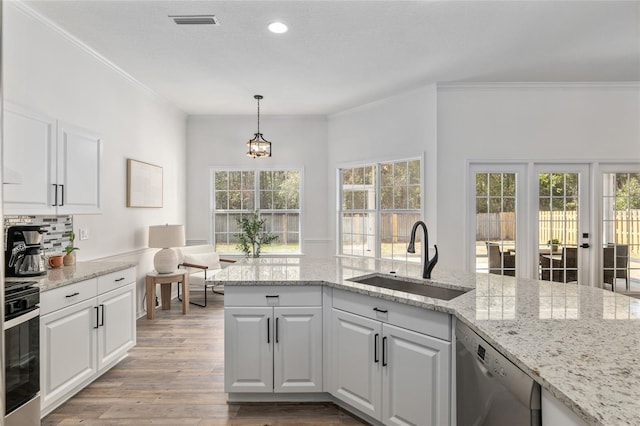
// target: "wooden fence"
[[562, 226], [394, 227], [495, 226], [627, 230]]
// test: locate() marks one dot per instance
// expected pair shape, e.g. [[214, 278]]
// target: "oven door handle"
[[22, 318]]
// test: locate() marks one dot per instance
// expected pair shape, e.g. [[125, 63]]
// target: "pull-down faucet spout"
[[427, 264]]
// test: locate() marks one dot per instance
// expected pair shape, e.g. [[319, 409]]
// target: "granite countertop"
[[66, 275], [582, 344]]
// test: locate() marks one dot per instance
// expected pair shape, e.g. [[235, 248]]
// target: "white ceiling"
[[340, 54]]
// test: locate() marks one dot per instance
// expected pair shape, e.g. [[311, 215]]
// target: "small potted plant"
[[70, 257], [554, 244], [252, 235]]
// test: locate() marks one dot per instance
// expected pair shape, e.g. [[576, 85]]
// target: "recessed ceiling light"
[[278, 27]]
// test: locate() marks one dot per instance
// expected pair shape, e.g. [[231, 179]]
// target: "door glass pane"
[[496, 223], [558, 224], [621, 232]]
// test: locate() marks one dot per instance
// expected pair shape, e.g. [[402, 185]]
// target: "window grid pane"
[[279, 200], [495, 222], [370, 230], [620, 231]]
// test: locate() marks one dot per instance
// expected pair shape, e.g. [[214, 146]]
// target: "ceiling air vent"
[[194, 19]]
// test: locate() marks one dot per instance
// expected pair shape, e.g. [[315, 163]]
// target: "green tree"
[[627, 191]]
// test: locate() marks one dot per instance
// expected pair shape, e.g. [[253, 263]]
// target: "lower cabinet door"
[[297, 358], [68, 350], [248, 358], [357, 362], [117, 330], [415, 379]]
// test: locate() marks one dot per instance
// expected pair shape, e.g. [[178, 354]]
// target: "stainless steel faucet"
[[427, 264]]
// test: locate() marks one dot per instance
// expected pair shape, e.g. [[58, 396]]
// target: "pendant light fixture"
[[258, 146]]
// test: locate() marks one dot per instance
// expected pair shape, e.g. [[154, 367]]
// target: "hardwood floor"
[[175, 376]]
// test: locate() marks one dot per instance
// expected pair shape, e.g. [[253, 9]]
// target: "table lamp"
[[165, 237]]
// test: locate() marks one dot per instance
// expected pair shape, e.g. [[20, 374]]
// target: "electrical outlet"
[[84, 234]]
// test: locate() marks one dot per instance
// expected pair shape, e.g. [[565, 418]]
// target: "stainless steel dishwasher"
[[491, 390]]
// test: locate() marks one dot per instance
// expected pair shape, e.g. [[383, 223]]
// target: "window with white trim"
[[379, 204], [275, 193]]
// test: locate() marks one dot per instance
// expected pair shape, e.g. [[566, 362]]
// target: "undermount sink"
[[400, 284]]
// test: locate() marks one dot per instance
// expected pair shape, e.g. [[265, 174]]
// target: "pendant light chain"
[[258, 115]]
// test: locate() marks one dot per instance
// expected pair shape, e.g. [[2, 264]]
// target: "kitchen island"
[[581, 344]]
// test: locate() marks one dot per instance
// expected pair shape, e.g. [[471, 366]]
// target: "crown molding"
[[29, 11], [540, 85]]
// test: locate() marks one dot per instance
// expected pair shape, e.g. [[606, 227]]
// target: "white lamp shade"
[[166, 236]]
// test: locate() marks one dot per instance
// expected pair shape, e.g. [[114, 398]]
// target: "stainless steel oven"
[[22, 353]]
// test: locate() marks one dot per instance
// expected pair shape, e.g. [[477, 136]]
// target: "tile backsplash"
[[57, 227]]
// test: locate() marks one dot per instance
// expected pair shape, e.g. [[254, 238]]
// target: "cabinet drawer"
[[61, 297], [273, 296], [115, 280], [421, 320]]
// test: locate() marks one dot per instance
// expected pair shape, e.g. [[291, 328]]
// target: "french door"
[[531, 220], [562, 227], [619, 263], [561, 222]]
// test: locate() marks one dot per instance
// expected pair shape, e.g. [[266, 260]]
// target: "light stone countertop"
[[66, 275], [582, 344]]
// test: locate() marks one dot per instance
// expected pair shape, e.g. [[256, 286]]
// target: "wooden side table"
[[165, 281]]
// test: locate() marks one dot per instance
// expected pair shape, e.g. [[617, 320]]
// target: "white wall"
[[398, 127], [297, 142], [50, 72], [525, 122]]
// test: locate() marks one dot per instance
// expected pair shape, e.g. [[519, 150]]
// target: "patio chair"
[[500, 262], [615, 261]]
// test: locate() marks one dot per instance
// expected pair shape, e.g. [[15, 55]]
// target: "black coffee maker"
[[24, 256]]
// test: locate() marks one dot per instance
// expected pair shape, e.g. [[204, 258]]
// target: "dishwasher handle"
[[483, 369]]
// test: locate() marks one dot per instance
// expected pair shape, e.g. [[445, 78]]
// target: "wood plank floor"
[[175, 376]]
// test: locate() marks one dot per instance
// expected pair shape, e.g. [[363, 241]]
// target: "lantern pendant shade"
[[258, 146]]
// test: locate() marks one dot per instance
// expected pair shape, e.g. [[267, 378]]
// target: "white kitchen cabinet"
[[356, 366], [270, 347], [117, 326], [297, 351], [59, 165], [394, 375], [78, 170], [68, 355], [248, 357], [29, 150], [415, 378], [85, 329], [555, 412]]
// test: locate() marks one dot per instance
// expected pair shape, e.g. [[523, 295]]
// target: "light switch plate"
[[84, 233]]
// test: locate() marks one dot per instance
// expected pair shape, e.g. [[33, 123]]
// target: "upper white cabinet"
[[29, 149], [58, 164], [79, 170]]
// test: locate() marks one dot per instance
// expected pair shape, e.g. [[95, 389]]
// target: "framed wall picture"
[[144, 184]]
